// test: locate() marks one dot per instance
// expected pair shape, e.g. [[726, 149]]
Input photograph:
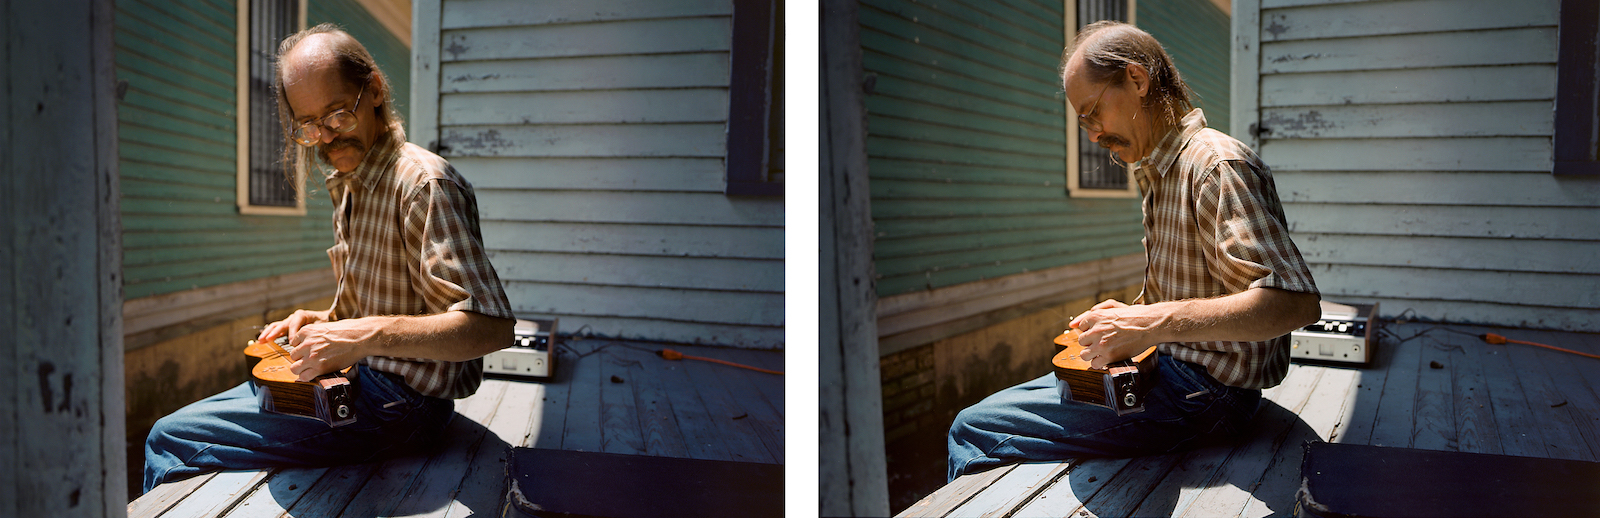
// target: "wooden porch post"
[[62, 450], [854, 479]]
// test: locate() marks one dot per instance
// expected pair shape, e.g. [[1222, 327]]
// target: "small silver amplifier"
[[1346, 333], [531, 353]]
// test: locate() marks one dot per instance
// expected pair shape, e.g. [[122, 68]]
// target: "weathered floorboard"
[[619, 419], [163, 497], [1393, 424], [1511, 399], [955, 493], [1274, 492], [1024, 482], [665, 408], [1067, 495], [1435, 424], [1222, 463], [1474, 413]]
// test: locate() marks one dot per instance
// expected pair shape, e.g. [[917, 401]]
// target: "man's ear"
[[380, 91], [1140, 78]]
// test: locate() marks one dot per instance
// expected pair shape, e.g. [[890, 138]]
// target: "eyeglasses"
[[340, 121], [1087, 119]]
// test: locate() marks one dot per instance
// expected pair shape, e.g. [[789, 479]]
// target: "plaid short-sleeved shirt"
[[1214, 226], [406, 242]]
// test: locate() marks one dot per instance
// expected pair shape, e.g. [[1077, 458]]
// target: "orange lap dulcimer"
[[1120, 386], [330, 397]]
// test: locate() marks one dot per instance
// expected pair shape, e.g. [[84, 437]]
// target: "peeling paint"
[[1302, 57], [1309, 124], [1277, 29], [456, 48], [482, 143]]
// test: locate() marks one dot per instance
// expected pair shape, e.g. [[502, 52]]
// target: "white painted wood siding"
[[594, 134], [1411, 143]]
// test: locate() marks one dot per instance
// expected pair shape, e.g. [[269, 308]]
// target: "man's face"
[[314, 92], [1114, 108]]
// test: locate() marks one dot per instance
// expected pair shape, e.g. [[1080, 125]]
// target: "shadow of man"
[[467, 470], [1263, 467]]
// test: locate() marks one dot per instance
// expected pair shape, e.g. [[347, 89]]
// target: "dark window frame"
[[751, 110], [1577, 123]]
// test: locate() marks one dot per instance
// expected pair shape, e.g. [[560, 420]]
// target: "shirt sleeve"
[[1249, 244], [454, 272]]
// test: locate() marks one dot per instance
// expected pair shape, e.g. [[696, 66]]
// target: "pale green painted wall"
[[176, 123], [966, 149]]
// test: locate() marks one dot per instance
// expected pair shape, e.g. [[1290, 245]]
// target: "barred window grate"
[[270, 22], [1095, 168]]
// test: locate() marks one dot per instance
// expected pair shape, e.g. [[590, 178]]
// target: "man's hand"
[[1113, 331], [289, 326], [322, 348]]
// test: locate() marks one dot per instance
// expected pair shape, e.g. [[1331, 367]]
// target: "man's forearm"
[[1249, 316], [449, 336], [1114, 331]]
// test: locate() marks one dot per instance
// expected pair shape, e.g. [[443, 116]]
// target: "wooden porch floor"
[[1431, 387], [607, 396]]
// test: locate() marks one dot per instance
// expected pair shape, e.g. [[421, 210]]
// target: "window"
[[1090, 171], [262, 188], [755, 98], [1577, 139]]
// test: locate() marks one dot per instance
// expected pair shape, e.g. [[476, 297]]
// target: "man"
[[416, 303], [1223, 287]]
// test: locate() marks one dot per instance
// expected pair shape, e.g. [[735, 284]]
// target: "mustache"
[[1107, 141], [352, 143]]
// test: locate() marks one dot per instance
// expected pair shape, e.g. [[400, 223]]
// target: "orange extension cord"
[[1498, 340], [675, 355]]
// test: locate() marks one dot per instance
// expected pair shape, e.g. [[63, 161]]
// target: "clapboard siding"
[[393, 55], [1533, 82], [1436, 188], [1451, 253], [501, 13], [657, 208], [579, 140], [630, 239], [1403, 17], [1411, 141], [698, 69], [1514, 46], [966, 137], [596, 174], [700, 273], [177, 154], [659, 36], [651, 302], [588, 106], [1408, 154], [1195, 34], [1496, 119], [1564, 223], [595, 135]]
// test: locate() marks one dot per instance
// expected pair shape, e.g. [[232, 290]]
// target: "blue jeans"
[[1029, 422], [229, 431]]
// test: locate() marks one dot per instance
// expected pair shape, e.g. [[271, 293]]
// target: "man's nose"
[[1094, 136], [324, 135]]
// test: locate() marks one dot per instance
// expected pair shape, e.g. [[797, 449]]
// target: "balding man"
[[1223, 288], [416, 303]]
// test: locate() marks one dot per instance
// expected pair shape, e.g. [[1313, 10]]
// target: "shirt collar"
[[1166, 152]]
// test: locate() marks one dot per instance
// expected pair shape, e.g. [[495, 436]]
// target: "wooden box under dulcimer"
[[1120, 386]]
